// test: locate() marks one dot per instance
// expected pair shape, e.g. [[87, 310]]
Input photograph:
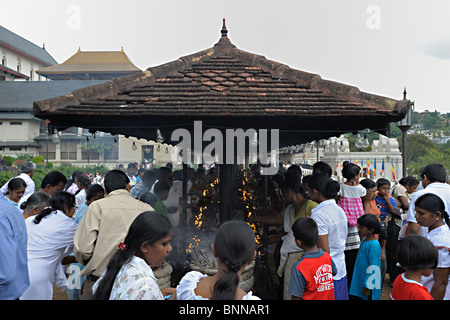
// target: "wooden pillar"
[[183, 215], [265, 238], [225, 171]]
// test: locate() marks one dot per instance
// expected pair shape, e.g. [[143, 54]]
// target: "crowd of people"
[[362, 225], [335, 241]]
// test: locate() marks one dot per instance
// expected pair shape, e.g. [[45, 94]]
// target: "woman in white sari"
[[50, 238]]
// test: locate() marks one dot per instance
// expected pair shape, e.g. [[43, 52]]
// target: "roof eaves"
[[13, 48], [224, 47], [14, 73]]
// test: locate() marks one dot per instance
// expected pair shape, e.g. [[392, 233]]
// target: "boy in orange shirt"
[[312, 275]]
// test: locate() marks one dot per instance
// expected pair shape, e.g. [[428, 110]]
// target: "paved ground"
[[58, 294], [386, 290]]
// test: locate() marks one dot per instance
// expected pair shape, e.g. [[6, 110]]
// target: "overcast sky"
[[378, 46]]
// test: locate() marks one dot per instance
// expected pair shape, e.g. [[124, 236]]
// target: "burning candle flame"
[[198, 223]]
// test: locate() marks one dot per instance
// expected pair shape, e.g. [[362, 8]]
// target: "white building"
[[334, 151], [21, 58], [384, 161], [22, 133]]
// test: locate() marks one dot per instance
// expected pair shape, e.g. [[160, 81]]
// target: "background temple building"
[[21, 58], [91, 65], [22, 133]]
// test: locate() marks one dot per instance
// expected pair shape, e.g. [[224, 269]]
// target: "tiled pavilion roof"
[[224, 87]]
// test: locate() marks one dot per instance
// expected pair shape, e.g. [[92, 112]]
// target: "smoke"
[[184, 241]]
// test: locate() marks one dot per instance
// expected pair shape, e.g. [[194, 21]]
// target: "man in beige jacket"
[[104, 225]]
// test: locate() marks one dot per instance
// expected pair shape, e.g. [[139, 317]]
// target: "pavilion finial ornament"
[[224, 30]]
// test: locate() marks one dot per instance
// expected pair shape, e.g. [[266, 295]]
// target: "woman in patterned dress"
[[129, 274]]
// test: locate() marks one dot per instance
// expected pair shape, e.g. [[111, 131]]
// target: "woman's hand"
[[172, 292]]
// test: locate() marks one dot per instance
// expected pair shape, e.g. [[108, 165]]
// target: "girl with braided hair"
[[333, 227], [50, 239], [234, 247]]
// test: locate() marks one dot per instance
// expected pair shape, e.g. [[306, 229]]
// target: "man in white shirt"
[[433, 178], [27, 170], [131, 173]]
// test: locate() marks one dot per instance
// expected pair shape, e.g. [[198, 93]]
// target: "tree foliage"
[[421, 151]]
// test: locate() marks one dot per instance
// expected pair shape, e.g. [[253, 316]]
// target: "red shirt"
[[312, 277], [405, 289]]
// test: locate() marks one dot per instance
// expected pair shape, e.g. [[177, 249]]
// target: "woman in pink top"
[[350, 201]]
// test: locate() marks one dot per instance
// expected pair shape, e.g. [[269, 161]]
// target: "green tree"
[[417, 145], [414, 117], [5, 176], [432, 156], [395, 131], [421, 151], [428, 120]]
